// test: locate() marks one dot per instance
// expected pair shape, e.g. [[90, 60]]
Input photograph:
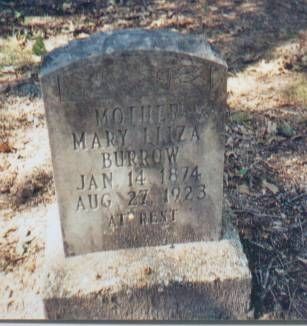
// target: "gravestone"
[[136, 132], [136, 129]]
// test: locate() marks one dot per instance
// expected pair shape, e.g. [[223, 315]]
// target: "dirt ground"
[[265, 176]]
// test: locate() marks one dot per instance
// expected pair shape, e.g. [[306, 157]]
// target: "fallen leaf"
[[274, 189], [243, 189], [13, 229], [303, 260], [5, 148]]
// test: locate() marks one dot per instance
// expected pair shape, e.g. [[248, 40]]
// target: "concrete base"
[[191, 281]]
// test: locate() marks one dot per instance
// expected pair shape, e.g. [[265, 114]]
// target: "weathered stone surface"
[[135, 123], [191, 281]]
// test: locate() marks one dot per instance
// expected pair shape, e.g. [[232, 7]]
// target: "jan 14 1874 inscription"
[[136, 134]]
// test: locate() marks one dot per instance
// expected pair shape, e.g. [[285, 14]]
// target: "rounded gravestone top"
[[130, 40]]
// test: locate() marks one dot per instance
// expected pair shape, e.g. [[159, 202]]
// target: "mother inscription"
[[136, 121]]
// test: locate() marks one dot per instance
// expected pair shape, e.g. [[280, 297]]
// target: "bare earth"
[[265, 176]]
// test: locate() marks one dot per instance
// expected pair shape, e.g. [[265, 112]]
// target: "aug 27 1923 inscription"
[[135, 123]]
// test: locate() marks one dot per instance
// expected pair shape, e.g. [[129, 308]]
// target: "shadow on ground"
[[270, 204], [244, 31]]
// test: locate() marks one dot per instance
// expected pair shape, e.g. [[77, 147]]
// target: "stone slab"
[[191, 281], [136, 129]]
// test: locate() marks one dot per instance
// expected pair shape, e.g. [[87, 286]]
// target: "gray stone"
[[191, 281], [136, 129], [137, 118]]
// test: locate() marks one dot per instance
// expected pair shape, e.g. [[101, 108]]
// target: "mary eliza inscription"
[[153, 160], [135, 123]]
